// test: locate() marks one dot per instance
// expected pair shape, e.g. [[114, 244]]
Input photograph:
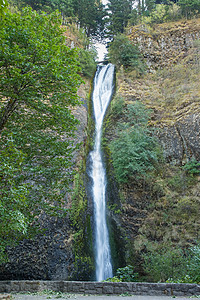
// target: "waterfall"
[[102, 93]]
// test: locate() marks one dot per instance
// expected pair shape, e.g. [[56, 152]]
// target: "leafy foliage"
[[122, 52], [127, 274], [192, 167], [133, 154], [163, 13], [34, 63], [13, 196], [118, 15], [165, 264], [135, 151], [3, 7], [194, 263], [99, 20], [189, 7], [173, 265], [117, 105], [39, 81], [90, 14], [86, 13], [87, 62]]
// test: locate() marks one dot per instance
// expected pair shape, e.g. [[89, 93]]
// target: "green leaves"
[[3, 7], [127, 274], [38, 90], [119, 14], [35, 62], [173, 264], [133, 154], [13, 195], [135, 151], [122, 52], [192, 167]]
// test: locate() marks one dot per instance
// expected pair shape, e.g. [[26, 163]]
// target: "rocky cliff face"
[[165, 44], [161, 212]]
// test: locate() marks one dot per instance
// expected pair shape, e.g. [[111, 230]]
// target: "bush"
[[192, 167], [135, 152], [122, 52], [137, 114], [173, 265], [127, 274], [194, 264], [117, 105], [160, 266], [87, 62]]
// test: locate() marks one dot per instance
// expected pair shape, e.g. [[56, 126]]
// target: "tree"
[[90, 14], [38, 89], [3, 7], [189, 7], [135, 152], [13, 197], [122, 52], [35, 62], [64, 6], [118, 15]]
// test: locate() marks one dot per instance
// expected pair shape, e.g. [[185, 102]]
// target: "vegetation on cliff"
[[40, 76], [39, 82], [159, 212]]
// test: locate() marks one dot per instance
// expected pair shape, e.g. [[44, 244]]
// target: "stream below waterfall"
[[101, 97]]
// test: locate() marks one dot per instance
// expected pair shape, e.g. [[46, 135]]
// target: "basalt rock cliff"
[[165, 44], [162, 211]]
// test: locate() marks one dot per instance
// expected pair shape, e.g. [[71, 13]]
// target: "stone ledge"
[[99, 288]]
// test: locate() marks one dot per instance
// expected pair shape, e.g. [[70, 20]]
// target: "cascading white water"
[[102, 93]]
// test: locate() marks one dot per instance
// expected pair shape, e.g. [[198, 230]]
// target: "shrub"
[[134, 153], [138, 114], [165, 264], [192, 167], [127, 274], [173, 265], [194, 263], [117, 105], [87, 62], [122, 52]]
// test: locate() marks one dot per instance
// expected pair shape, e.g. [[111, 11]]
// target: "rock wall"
[[181, 141], [165, 44], [99, 288]]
